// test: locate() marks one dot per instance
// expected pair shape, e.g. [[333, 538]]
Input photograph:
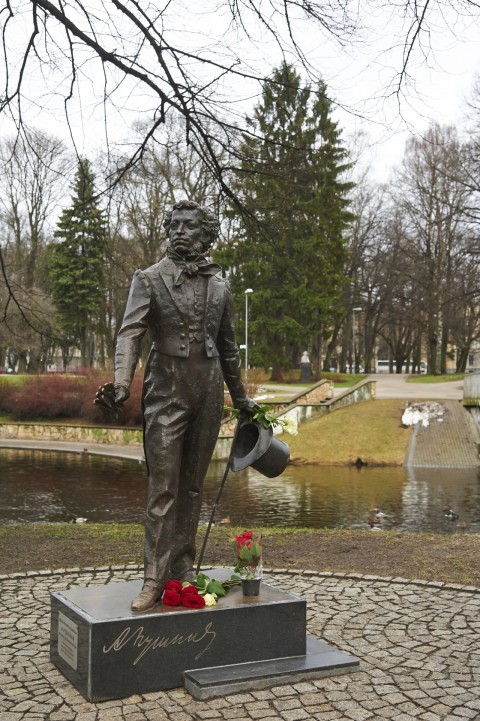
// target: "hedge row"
[[57, 397]]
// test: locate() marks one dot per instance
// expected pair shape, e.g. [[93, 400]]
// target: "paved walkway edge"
[[283, 571], [411, 447]]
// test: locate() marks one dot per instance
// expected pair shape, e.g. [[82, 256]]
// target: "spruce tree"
[[289, 245], [77, 272]]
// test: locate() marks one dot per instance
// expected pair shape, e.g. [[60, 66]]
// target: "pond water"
[[39, 486]]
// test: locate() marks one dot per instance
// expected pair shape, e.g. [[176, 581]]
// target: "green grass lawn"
[[344, 380], [14, 379], [339, 379], [371, 431]]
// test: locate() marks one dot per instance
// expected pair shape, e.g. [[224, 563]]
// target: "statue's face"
[[186, 232]]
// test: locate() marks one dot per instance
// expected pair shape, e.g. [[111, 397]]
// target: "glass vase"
[[251, 586]]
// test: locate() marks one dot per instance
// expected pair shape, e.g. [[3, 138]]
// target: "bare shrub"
[[44, 397], [60, 397]]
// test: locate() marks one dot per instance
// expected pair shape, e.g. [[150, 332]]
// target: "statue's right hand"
[[121, 395], [105, 396], [110, 396]]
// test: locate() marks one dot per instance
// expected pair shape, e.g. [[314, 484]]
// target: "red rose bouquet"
[[171, 597], [204, 591], [174, 585], [193, 600]]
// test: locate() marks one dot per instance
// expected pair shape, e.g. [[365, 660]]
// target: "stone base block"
[[319, 661], [107, 651]]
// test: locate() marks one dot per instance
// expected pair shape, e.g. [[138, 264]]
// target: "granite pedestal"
[[107, 651]]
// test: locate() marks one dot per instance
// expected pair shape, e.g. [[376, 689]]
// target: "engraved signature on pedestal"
[[146, 643]]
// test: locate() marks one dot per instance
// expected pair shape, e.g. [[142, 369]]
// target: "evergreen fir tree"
[[289, 245], [77, 272]]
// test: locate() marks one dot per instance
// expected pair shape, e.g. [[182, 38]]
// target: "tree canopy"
[[289, 245], [77, 268]]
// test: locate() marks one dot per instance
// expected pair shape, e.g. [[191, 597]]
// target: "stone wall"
[[471, 389], [318, 393], [363, 391], [75, 434]]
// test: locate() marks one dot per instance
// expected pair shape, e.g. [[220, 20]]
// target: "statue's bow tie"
[[192, 267]]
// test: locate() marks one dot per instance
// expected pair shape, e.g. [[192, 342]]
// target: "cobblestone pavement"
[[418, 643]]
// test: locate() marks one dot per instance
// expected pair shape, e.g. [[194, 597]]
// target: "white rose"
[[291, 426], [210, 599]]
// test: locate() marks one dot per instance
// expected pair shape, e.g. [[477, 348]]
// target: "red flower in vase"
[[248, 552]]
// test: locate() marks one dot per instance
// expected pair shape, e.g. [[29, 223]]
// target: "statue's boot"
[[148, 596], [182, 569], [189, 576]]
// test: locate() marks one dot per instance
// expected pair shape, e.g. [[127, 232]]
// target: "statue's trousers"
[[183, 402]]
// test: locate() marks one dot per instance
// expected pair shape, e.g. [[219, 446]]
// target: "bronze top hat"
[[256, 446]]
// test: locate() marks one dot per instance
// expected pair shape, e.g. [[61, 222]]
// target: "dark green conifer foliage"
[[77, 272], [289, 245]]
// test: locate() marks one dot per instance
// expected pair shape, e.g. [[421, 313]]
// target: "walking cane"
[[217, 499]]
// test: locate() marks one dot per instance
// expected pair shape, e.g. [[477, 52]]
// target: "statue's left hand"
[[250, 407]]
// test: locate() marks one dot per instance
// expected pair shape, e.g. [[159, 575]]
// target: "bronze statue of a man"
[[187, 307]]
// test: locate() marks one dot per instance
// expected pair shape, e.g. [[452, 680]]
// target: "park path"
[[129, 452], [390, 385]]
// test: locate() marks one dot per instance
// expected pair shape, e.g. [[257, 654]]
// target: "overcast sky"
[[438, 89], [362, 77]]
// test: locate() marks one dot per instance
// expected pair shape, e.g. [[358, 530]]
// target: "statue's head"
[[200, 223]]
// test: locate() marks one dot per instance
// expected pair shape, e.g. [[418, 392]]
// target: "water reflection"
[[54, 487], [48, 486], [430, 490], [311, 496]]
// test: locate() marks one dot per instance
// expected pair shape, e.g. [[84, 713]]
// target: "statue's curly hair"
[[209, 221]]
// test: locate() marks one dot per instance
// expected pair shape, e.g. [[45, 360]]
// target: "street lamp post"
[[354, 310], [247, 293]]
